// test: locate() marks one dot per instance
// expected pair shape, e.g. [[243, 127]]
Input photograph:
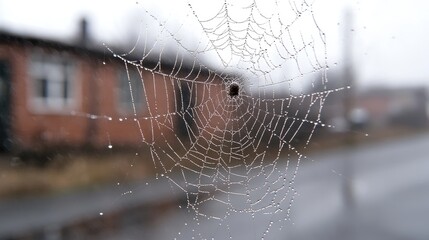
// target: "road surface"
[[389, 192], [389, 188]]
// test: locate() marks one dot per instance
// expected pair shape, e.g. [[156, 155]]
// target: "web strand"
[[240, 149]]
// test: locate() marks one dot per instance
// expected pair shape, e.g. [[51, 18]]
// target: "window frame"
[[60, 93]]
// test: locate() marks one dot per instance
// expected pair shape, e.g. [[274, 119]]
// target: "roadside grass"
[[70, 172], [360, 138]]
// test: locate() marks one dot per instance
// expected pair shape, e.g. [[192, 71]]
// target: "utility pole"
[[349, 97]]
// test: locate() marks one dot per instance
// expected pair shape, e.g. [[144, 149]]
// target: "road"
[[389, 188], [389, 192], [53, 213]]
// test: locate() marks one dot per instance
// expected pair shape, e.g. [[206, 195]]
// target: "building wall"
[[31, 129], [97, 119]]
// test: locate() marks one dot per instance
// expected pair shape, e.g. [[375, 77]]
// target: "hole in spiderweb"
[[234, 89]]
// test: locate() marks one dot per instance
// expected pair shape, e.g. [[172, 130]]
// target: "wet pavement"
[[388, 198], [389, 188]]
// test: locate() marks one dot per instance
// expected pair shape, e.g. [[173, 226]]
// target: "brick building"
[[58, 94]]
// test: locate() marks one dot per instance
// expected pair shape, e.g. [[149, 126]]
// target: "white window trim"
[[40, 63]]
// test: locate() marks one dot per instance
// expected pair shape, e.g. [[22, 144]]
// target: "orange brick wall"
[[96, 88]]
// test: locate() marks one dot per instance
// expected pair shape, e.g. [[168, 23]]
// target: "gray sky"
[[390, 37]]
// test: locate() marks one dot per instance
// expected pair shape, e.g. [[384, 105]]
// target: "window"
[[130, 90], [51, 84]]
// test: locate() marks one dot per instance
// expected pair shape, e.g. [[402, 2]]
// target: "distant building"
[[59, 94], [376, 107], [380, 108], [400, 106]]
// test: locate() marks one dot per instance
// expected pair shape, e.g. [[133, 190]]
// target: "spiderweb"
[[228, 113]]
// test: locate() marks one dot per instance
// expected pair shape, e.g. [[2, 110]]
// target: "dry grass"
[[73, 172], [360, 138]]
